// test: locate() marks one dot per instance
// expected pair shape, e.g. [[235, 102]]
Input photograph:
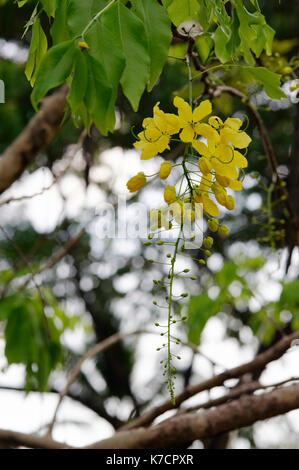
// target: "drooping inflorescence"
[[209, 171]]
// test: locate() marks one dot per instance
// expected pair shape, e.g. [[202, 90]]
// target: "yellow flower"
[[136, 182], [169, 194], [155, 137], [221, 146], [209, 206], [189, 119], [165, 170], [230, 134]]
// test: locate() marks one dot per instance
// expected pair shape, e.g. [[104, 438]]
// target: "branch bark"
[[40, 131], [188, 427], [18, 439], [259, 362]]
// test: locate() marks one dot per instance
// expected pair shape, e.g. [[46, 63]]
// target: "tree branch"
[[18, 439], [40, 131], [188, 427], [259, 362]]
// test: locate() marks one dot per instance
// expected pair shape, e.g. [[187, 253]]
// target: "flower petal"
[[208, 132], [184, 109], [236, 185], [209, 206], [224, 169], [201, 111], [201, 148], [187, 134], [225, 153], [239, 139], [239, 160], [233, 123]]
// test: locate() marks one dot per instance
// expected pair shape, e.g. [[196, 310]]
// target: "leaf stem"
[[96, 17]]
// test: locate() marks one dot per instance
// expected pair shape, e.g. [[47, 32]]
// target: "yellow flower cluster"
[[214, 144]]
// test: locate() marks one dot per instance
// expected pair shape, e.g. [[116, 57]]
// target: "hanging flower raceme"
[[209, 173]]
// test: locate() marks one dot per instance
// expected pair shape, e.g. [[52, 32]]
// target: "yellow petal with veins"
[[184, 109], [239, 160], [201, 148], [239, 139], [208, 132], [233, 123], [187, 134], [224, 169], [201, 111]]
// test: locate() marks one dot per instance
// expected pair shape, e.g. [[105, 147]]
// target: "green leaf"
[[80, 13], [50, 7], [112, 60], [54, 70], [98, 96], [234, 42], [59, 30], [30, 338], [254, 33], [221, 39], [205, 15], [269, 80], [180, 11], [38, 49], [128, 34], [289, 297], [79, 81], [204, 45], [158, 33]]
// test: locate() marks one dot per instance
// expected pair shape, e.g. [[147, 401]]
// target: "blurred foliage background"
[[101, 287]]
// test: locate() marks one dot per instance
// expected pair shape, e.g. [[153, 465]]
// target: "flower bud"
[[213, 225], [136, 182], [165, 170], [230, 203], [205, 165], [208, 242], [224, 230], [169, 194]]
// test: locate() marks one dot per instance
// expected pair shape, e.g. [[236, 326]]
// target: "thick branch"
[[259, 362], [18, 439], [40, 131], [188, 427]]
